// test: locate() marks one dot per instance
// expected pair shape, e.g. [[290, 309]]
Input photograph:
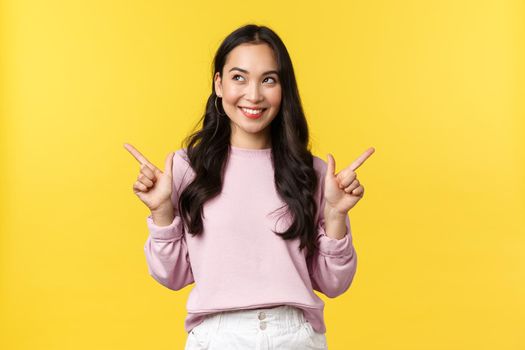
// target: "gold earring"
[[216, 108]]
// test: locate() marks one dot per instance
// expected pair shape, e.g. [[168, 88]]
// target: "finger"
[[146, 171], [358, 191], [346, 180], [331, 164], [352, 186], [138, 186], [168, 164], [359, 161], [143, 179], [138, 156]]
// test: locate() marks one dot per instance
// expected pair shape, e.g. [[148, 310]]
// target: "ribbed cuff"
[[173, 231], [332, 246]]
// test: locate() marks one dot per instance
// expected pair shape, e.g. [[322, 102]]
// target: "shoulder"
[[180, 159], [181, 163], [181, 155], [320, 165]]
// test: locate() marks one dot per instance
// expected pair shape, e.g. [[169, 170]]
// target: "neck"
[[240, 139], [251, 144]]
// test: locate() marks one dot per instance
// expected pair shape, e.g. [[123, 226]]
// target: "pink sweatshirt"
[[238, 262]]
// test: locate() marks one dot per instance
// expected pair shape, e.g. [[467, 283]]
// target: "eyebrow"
[[245, 71]]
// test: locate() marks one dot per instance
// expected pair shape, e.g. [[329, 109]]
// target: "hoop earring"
[[216, 128], [217, 109], [218, 119]]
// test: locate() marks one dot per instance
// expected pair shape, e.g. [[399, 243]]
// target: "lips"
[[252, 107], [250, 115]]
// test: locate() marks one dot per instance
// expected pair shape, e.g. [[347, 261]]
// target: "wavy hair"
[[294, 175]]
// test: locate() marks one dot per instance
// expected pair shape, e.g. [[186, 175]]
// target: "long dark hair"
[[208, 148]]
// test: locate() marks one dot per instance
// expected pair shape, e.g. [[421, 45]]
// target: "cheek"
[[275, 97], [228, 99], [231, 90], [231, 97]]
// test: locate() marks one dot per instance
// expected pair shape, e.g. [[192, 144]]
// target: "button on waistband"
[[262, 315], [262, 325]]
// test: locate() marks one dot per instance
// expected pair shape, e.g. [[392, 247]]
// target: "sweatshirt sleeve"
[[166, 249], [333, 264]]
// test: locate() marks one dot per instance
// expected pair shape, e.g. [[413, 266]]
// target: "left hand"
[[342, 191]]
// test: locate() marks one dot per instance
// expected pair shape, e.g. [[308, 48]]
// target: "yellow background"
[[437, 87]]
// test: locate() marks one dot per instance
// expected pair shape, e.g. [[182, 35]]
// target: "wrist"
[[335, 223], [332, 213], [163, 217], [164, 208]]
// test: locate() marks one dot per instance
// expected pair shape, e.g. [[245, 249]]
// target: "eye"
[[237, 75], [274, 80]]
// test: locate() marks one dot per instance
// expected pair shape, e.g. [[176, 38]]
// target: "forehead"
[[252, 57]]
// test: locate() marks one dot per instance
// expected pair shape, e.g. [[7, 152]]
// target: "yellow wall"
[[437, 87]]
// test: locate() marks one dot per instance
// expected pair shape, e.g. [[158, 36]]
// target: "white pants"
[[283, 327]]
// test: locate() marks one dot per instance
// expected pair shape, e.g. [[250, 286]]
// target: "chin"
[[249, 128], [252, 130]]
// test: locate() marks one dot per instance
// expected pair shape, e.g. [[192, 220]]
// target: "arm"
[[333, 264], [165, 248]]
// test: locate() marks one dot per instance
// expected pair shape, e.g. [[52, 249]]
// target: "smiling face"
[[249, 79]]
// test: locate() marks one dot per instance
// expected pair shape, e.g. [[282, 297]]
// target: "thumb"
[[168, 167], [331, 166]]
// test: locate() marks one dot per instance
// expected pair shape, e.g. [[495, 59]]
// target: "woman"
[[212, 209]]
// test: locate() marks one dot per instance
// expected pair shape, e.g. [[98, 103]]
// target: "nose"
[[253, 94]]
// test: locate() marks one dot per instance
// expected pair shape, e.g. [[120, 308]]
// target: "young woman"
[[213, 208]]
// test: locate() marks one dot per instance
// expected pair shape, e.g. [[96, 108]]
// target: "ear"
[[218, 84]]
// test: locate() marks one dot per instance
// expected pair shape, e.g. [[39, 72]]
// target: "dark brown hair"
[[208, 148]]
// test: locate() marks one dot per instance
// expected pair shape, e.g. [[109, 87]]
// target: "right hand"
[[153, 186]]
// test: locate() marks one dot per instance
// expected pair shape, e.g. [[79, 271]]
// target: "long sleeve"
[[166, 249], [333, 265]]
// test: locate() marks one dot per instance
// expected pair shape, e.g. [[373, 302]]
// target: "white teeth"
[[252, 111]]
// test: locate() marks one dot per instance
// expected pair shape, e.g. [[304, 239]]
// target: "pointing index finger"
[[359, 161], [138, 156]]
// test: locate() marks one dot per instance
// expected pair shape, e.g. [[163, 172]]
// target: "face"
[[249, 79]]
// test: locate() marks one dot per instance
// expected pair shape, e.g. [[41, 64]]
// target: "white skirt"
[[283, 327]]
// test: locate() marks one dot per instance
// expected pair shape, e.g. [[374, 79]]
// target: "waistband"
[[280, 318]]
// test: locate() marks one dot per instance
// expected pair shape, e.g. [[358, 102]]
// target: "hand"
[[342, 191], [153, 187]]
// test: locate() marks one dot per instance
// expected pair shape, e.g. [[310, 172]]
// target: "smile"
[[252, 113]]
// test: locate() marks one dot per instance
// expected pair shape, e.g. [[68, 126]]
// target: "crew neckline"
[[251, 152]]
